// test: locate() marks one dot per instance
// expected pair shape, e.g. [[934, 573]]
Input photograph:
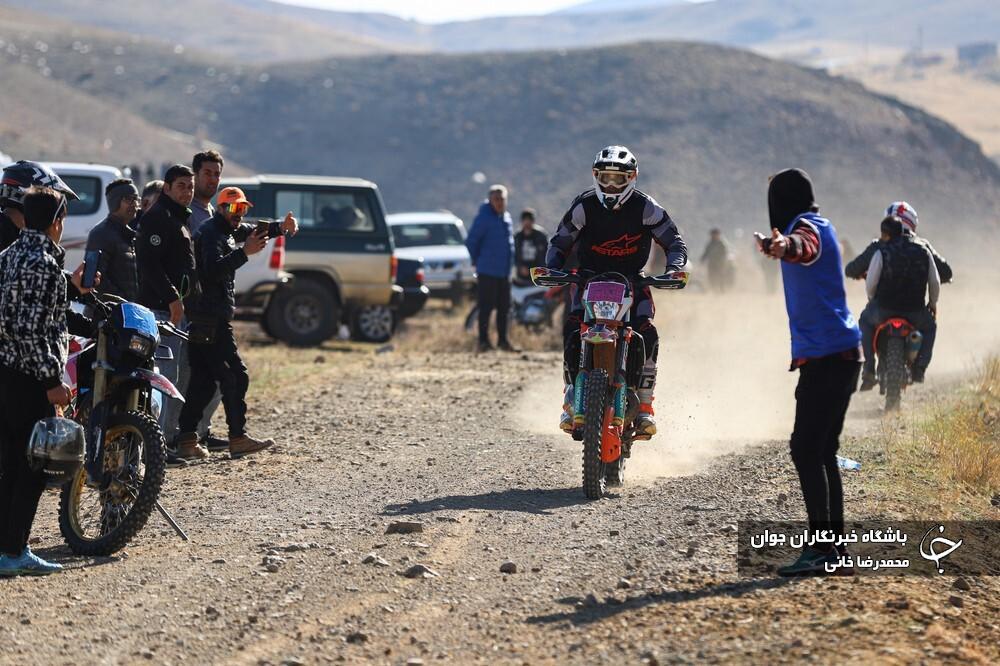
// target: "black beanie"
[[789, 195]]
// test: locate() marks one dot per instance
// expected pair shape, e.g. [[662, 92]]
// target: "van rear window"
[[327, 211], [88, 188]]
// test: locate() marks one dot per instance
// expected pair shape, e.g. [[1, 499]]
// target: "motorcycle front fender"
[[158, 382]]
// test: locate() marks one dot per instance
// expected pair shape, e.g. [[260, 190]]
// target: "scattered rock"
[[782, 498], [420, 571], [591, 600], [320, 359], [220, 560], [899, 603], [728, 529], [508, 568], [956, 601], [700, 507], [385, 349], [661, 542], [961, 584], [356, 637], [613, 533], [404, 527], [624, 584], [414, 661], [372, 558]]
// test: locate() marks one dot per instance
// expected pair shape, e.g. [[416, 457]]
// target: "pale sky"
[[438, 11]]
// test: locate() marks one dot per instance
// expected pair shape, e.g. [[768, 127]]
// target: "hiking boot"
[[918, 375], [645, 424], [507, 347], [188, 447], [27, 564], [868, 382], [244, 445], [173, 460], [811, 562], [214, 444]]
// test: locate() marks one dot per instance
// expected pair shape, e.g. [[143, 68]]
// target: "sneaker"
[[214, 444], [507, 347], [174, 461], [868, 382], [645, 424], [27, 564], [484, 347], [918, 375], [244, 445], [189, 448], [811, 562]]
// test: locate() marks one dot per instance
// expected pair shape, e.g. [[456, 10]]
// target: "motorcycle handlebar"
[[548, 277]]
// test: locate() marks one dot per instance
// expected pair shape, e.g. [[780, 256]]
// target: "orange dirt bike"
[[612, 354]]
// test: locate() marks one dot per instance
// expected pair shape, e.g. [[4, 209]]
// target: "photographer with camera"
[[212, 350]]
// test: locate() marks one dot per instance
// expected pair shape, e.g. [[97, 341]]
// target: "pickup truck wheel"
[[373, 323], [303, 315]]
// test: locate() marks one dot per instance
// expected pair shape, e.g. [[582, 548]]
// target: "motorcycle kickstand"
[[170, 519]]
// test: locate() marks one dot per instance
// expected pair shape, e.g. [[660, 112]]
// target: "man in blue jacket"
[[826, 350], [491, 246]]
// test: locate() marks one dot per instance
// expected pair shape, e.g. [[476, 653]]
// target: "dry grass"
[[965, 437], [437, 329]]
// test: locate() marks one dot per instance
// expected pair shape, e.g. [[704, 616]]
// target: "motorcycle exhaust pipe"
[[914, 341]]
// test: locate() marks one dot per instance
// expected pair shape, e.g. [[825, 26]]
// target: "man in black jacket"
[[530, 245], [857, 269], [165, 253], [212, 351], [114, 237]]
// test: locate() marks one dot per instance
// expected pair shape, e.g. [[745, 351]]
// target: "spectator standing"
[[207, 167], [33, 351], [167, 274], [826, 350], [530, 245], [150, 193], [114, 237], [718, 260], [214, 356], [491, 246]]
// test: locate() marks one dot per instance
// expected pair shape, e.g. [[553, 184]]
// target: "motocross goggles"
[[612, 181]]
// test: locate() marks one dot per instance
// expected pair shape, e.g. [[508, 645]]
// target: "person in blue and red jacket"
[[826, 350]]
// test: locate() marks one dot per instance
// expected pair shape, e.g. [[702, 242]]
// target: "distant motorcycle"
[[113, 380], [606, 401], [531, 306], [897, 344]]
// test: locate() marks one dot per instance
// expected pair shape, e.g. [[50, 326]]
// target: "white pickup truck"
[[256, 281]]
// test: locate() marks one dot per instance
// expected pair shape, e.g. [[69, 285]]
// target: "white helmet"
[[904, 212], [615, 171]]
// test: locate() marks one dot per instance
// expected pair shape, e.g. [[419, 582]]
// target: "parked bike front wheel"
[[101, 518]]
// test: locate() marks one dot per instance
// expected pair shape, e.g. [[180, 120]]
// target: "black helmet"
[[19, 176], [57, 448]]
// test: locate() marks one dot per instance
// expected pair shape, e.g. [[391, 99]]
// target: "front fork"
[[614, 361]]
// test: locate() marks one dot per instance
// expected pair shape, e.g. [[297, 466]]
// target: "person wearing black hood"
[[826, 350]]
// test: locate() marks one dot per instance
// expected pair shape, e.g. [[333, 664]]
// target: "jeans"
[[178, 371], [872, 316], [821, 400], [494, 294]]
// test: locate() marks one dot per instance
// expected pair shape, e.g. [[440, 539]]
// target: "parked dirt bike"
[[113, 380], [531, 306], [897, 344], [612, 354]]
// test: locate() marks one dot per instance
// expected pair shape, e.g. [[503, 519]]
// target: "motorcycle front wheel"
[[101, 519], [594, 401]]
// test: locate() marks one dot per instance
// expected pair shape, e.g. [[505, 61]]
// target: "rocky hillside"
[[709, 124]]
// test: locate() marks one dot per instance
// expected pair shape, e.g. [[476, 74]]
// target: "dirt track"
[[467, 447]]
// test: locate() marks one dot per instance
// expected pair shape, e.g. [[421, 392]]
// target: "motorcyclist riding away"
[[901, 275], [869, 319], [612, 226]]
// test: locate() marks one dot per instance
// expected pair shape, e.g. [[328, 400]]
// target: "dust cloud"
[[723, 382]]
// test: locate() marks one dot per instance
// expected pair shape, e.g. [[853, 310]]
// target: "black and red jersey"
[[615, 240]]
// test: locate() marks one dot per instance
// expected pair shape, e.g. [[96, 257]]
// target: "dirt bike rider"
[[901, 273], [612, 227], [869, 319]]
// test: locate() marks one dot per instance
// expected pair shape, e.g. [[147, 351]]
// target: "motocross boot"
[[868, 382], [645, 424], [566, 419]]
